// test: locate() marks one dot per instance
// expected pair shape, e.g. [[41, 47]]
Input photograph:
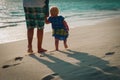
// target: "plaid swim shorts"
[[60, 34], [35, 17]]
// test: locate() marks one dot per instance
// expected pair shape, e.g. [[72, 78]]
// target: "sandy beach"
[[93, 54]]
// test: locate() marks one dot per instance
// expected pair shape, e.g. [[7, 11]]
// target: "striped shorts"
[[35, 17]]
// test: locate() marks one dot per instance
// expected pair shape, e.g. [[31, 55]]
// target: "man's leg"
[[40, 38], [30, 33]]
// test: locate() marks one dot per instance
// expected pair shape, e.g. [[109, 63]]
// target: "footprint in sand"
[[13, 62], [18, 58], [51, 77], [6, 66], [109, 53]]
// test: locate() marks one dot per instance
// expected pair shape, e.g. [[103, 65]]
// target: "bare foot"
[[30, 51], [42, 50], [66, 46], [57, 50]]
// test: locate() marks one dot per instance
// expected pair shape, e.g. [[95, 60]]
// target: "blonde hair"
[[54, 11]]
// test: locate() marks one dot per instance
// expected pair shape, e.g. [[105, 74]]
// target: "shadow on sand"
[[89, 68]]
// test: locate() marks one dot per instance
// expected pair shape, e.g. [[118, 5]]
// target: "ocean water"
[[76, 13]]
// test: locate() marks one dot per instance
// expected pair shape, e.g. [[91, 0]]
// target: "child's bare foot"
[[42, 50], [66, 46], [57, 50]]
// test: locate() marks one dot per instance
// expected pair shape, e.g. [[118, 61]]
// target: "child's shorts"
[[35, 17], [60, 34]]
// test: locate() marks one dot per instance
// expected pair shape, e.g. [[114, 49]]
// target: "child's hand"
[[67, 31], [66, 25], [46, 20]]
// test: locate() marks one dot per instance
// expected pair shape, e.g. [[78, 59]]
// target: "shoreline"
[[48, 28]]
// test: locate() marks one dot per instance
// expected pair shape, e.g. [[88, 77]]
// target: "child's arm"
[[46, 20], [66, 25]]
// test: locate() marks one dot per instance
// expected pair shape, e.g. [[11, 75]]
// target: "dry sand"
[[93, 54]]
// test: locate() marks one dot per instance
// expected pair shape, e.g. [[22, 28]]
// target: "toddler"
[[60, 28]]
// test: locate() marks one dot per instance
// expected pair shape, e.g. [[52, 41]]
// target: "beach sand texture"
[[93, 54]]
